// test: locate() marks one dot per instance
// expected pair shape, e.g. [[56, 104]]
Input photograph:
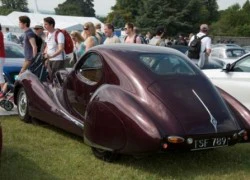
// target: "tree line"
[[182, 16]]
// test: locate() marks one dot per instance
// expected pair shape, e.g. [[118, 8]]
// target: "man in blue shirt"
[[30, 47], [8, 34]]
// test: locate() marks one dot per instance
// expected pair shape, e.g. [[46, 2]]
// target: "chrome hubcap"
[[22, 103]]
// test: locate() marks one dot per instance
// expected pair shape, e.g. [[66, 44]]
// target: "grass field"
[[42, 152]]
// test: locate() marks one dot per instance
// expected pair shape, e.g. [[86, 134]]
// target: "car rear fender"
[[117, 120], [1, 139], [241, 113]]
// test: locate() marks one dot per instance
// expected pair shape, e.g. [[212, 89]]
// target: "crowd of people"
[[52, 43]]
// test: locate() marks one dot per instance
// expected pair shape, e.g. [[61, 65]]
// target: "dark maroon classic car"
[[1, 139], [135, 99]]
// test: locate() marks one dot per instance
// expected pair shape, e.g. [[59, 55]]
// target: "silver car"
[[226, 54]]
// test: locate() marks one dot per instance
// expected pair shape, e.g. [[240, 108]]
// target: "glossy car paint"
[[236, 83], [241, 113], [1, 139], [130, 109]]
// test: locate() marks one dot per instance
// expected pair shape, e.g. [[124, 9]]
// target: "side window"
[[243, 65], [92, 68], [13, 52]]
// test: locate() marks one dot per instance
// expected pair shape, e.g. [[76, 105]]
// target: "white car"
[[226, 54], [234, 78]]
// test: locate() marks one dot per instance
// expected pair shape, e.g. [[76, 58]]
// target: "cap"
[[204, 27], [38, 27]]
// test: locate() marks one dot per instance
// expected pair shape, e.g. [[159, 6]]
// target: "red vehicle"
[[135, 99], [1, 139]]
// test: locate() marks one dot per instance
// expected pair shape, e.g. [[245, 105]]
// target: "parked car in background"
[[14, 38], [180, 48], [211, 64], [226, 54], [226, 45], [134, 99], [247, 48], [234, 79], [13, 61]]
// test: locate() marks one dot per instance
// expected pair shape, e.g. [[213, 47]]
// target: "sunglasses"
[[85, 28], [125, 29]]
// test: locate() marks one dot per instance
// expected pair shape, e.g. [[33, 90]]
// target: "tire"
[[8, 106], [104, 155], [22, 106]]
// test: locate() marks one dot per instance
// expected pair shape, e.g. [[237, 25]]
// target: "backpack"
[[39, 42], [195, 47], [143, 40], [68, 43], [102, 36]]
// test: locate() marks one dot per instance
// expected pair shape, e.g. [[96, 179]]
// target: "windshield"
[[166, 64], [14, 51]]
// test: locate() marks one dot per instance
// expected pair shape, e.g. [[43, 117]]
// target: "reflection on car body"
[[1, 139]]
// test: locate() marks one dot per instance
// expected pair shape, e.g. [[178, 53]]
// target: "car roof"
[[10, 43], [137, 48], [122, 56], [126, 52], [228, 47]]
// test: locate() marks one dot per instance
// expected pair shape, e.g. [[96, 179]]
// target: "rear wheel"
[[105, 155], [22, 106]]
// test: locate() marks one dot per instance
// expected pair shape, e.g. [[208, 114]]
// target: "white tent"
[[63, 22], [5, 22]]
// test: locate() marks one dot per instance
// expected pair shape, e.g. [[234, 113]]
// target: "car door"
[[88, 78], [236, 81]]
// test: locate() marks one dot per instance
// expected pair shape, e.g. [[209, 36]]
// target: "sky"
[[103, 7]]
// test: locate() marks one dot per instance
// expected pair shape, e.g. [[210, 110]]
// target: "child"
[[3, 91]]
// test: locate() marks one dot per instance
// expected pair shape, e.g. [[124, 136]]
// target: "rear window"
[[232, 53], [166, 64], [14, 51]]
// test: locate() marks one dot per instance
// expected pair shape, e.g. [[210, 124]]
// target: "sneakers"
[[1, 94]]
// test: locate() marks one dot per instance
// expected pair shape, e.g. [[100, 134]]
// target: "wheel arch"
[[141, 134]]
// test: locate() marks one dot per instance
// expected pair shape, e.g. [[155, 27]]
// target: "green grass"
[[43, 152]]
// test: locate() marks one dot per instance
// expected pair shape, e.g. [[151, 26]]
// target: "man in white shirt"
[[111, 38], [158, 40], [205, 45], [54, 51]]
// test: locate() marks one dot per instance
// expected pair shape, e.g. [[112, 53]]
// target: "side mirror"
[[227, 67]]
